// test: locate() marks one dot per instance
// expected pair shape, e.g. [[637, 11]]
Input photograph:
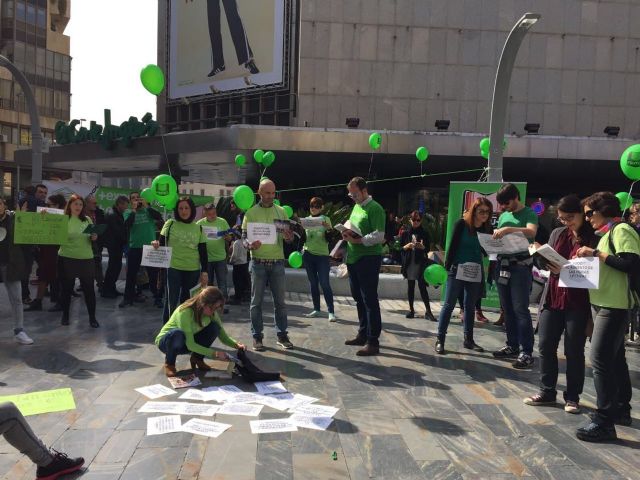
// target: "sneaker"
[[313, 314], [539, 399], [332, 317], [23, 339], [251, 66], [61, 465], [257, 345], [506, 352], [523, 361], [284, 342], [594, 432], [572, 407]]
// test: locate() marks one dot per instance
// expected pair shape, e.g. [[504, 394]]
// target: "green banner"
[[41, 228], [106, 197], [42, 402], [461, 197]]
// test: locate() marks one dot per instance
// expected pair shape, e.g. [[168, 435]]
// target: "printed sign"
[[152, 257], [42, 402], [469, 272], [580, 273], [33, 228], [264, 232]]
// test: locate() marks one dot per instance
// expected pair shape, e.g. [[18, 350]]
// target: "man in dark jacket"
[[96, 214], [115, 239]]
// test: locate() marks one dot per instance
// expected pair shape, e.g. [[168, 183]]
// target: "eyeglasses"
[[589, 213], [566, 219], [483, 211]]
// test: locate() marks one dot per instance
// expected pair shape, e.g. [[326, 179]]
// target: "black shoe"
[[140, 298], [56, 308], [109, 294], [594, 432], [360, 341], [411, 314], [94, 323], [251, 66], [429, 316], [284, 342], [61, 465], [470, 344], [216, 70], [257, 345], [624, 419], [506, 352], [34, 306], [440, 346], [64, 320]]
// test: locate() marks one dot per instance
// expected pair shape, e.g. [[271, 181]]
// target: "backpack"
[[250, 372], [634, 275]]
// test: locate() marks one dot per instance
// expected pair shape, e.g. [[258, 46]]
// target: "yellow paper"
[[46, 401]]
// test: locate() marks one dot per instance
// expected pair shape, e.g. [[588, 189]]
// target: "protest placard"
[[469, 272], [46, 401], [264, 232], [580, 273], [156, 257], [41, 229], [507, 245]]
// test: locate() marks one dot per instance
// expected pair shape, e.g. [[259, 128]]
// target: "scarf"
[[602, 231]]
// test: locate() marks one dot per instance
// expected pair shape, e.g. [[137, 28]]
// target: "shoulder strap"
[[611, 245], [169, 231]]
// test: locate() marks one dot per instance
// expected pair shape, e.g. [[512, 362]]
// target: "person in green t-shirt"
[[514, 277], [192, 328], [364, 258], [216, 231], [316, 260], [267, 263], [75, 260], [617, 251]]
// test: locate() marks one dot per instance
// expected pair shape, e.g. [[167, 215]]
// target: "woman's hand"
[[255, 245], [222, 356], [553, 268], [500, 232], [204, 279], [241, 346], [93, 237], [155, 244], [585, 252], [419, 245], [408, 246]]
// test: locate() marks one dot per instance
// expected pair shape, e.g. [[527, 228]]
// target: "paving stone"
[[120, 447], [154, 463]]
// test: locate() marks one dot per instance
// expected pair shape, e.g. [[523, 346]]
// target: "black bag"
[[634, 276], [250, 372]]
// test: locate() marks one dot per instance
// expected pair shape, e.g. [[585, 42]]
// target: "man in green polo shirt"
[[267, 262], [364, 257], [216, 230]]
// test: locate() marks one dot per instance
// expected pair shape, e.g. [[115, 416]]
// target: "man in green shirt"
[[364, 257], [216, 230], [514, 277], [267, 262]]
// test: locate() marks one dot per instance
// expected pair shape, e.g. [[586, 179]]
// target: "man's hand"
[[419, 245], [255, 245], [93, 237], [222, 356], [348, 236], [409, 246]]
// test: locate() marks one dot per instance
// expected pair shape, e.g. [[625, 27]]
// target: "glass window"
[[25, 136], [14, 135], [18, 52], [42, 18], [7, 9], [31, 15], [40, 61], [21, 11], [50, 59]]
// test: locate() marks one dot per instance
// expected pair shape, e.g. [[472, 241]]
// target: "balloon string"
[[166, 157], [370, 165], [630, 190]]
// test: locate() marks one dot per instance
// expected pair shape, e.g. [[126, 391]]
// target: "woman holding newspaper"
[[192, 328], [563, 310]]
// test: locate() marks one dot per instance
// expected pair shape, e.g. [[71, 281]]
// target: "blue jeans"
[[472, 292], [219, 271], [317, 267], [179, 282], [514, 298], [261, 273], [363, 280], [174, 342]]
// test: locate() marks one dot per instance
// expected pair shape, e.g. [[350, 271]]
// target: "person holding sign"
[[563, 311], [267, 263], [215, 229], [75, 260], [192, 328], [618, 252], [12, 270], [188, 255], [514, 278], [464, 264]]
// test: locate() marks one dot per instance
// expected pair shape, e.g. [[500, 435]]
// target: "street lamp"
[[501, 93]]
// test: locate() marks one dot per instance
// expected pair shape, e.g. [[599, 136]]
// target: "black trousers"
[[610, 370], [68, 270], [243, 50], [113, 269], [134, 258], [241, 281], [551, 325], [411, 292]]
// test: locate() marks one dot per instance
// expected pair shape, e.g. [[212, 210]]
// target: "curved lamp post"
[[501, 92], [36, 133]]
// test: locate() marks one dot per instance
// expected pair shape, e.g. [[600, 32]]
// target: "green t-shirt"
[[182, 319], [518, 219], [468, 248], [143, 230], [316, 241], [614, 284], [259, 214], [368, 219], [216, 246], [78, 245], [184, 239]]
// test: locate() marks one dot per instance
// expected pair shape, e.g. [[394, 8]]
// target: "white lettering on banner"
[[469, 272], [152, 257], [264, 232], [580, 273]]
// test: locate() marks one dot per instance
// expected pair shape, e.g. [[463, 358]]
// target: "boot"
[[428, 315], [480, 316], [198, 362], [34, 306], [500, 320], [93, 322], [170, 370], [470, 344], [440, 345]]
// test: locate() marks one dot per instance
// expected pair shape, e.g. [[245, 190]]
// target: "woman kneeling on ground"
[[192, 328]]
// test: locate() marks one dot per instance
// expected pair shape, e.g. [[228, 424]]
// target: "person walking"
[[363, 259], [216, 230], [115, 239], [76, 260], [618, 252], [465, 266], [316, 260], [563, 311]]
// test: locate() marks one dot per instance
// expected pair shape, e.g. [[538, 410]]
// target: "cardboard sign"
[[46, 401], [33, 228]]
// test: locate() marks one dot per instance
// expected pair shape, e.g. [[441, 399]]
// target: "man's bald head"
[[267, 192]]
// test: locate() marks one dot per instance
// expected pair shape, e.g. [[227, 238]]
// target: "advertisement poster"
[[461, 197]]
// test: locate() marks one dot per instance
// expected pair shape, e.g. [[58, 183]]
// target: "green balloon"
[[484, 144], [295, 259], [241, 160], [171, 203], [164, 187], [268, 158], [422, 153], [630, 162], [435, 274], [625, 199], [152, 79], [276, 202], [148, 195], [375, 140], [288, 210], [243, 197], [258, 156]]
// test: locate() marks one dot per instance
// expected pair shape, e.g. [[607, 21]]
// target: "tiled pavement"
[[405, 414]]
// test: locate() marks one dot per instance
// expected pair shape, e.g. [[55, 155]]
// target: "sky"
[[110, 43]]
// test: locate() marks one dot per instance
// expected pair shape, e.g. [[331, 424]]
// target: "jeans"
[[455, 288], [317, 267], [241, 281], [610, 370], [14, 292], [363, 281], [179, 282], [134, 258], [16, 431], [514, 298], [551, 325], [174, 342], [113, 270], [261, 273], [219, 271]]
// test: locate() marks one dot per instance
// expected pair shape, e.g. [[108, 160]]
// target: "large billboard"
[[222, 45]]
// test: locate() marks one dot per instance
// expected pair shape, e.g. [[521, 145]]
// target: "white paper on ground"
[[164, 424], [221, 394], [160, 407], [272, 402], [272, 426], [267, 388], [155, 391], [316, 410], [293, 401], [245, 397], [193, 394], [179, 408], [205, 427], [314, 423], [198, 409], [246, 409]]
